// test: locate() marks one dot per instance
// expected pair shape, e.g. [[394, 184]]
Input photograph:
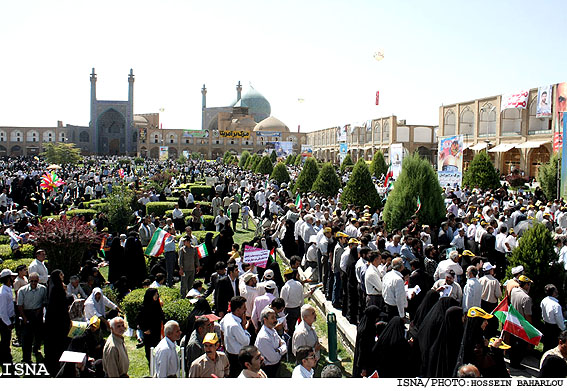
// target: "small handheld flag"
[[418, 205], [202, 251], [298, 202]]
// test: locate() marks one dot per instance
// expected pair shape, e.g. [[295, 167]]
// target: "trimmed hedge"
[[172, 199], [4, 239], [91, 204], [132, 303], [87, 213], [178, 310], [197, 190], [111, 294], [209, 222], [200, 235], [6, 252], [12, 264], [159, 207]]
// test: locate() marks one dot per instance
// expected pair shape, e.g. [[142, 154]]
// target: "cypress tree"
[[280, 174], [265, 166], [297, 160], [547, 176], [481, 173], [378, 166], [417, 179], [243, 159], [226, 156], [307, 176], [255, 160], [327, 182], [273, 156], [347, 163], [360, 189]]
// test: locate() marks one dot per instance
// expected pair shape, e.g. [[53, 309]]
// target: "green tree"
[[297, 160], [307, 176], [255, 160], [118, 208], [547, 176], [417, 179], [360, 189], [243, 159], [280, 174], [481, 173], [537, 254], [273, 156], [227, 155], [290, 159], [265, 166], [196, 156], [347, 163], [327, 182], [61, 153], [378, 166], [181, 159]]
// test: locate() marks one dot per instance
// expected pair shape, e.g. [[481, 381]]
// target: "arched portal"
[[111, 131]]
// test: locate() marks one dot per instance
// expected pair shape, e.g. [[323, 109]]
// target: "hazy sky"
[[320, 51]]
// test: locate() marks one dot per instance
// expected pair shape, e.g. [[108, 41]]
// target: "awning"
[[532, 144], [479, 146], [467, 144], [503, 148]]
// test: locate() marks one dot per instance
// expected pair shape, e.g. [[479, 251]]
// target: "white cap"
[[269, 273], [517, 269], [270, 284], [487, 266], [6, 273]]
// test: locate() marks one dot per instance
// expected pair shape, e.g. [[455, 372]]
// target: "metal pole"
[[558, 179], [332, 336]]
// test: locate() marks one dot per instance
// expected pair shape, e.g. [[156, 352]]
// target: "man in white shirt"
[[373, 281], [393, 290], [448, 264], [37, 266], [553, 321], [306, 362], [394, 247], [269, 343], [221, 220], [165, 353], [292, 294], [305, 334], [233, 326], [473, 290], [7, 314]]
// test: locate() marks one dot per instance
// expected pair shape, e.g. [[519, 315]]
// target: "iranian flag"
[[202, 251], [272, 256], [155, 247], [516, 324], [418, 205], [389, 176], [298, 202]]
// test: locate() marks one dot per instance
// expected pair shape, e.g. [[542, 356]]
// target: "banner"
[[377, 97], [186, 154], [283, 148], [544, 96], [396, 158], [163, 153], [306, 150], [560, 103], [341, 134], [369, 125], [255, 256], [515, 101], [450, 161], [563, 190], [235, 133], [196, 133], [343, 148], [269, 134]]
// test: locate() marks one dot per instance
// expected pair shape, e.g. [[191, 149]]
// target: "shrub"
[[327, 182], [172, 199], [124, 162], [12, 264], [133, 302], [159, 208], [347, 163], [289, 159], [416, 179], [65, 242], [196, 156], [547, 176], [97, 205], [248, 162], [181, 159], [273, 156], [360, 189], [307, 176], [208, 221], [201, 193], [118, 208], [255, 160], [26, 250], [243, 159], [88, 214], [378, 166], [297, 160], [536, 253], [200, 235], [139, 160], [481, 173], [265, 166], [186, 212], [111, 294], [178, 310], [4, 239], [280, 174]]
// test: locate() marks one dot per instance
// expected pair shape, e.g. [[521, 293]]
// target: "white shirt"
[[394, 292], [6, 305], [512, 242], [235, 337], [471, 294], [300, 372], [39, 268], [373, 281], [271, 345], [551, 312], [394, 249], [444, 267], [500, 238], [292, 293], [166, 359], [344, 259]]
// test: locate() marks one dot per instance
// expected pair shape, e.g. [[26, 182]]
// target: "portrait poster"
[[163, 153], [283, 148], [450, 161], [396, 158], [544, 96], [341, 134], [343, 149], [560, 103]]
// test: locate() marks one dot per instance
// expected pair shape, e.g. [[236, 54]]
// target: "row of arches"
[[32, 136]]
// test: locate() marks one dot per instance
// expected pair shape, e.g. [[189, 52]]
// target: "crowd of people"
[[419, 294]]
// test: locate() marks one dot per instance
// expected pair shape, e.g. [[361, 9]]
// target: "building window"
[[449, 123], [537, 125], [377, 132], [386, 133], [511, 121], [466, 122], [84, 137], [2, 136], [62, 137], [487, 125]]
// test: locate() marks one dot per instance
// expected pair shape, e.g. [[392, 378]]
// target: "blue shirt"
[[169, 244]]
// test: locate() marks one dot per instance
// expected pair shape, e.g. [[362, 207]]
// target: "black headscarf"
[[135, 262], [431, 298], [151, 315], [444, 351], [365, 339], [553, 366], [202, 307], [392, 349], [115, 259], [429, 329]]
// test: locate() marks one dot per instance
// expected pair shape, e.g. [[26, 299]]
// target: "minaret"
[[130, 120], [238, 91], [93, 98], [204, 106]]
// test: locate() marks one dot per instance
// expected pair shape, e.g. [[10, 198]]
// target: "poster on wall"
[[163, 153], [396, 158], [343, 149], [195, 133], [306, 151], [517, 100], [560, 103], [283, 148], [450, 161], [341, 134], [186, 154], [544, 96]]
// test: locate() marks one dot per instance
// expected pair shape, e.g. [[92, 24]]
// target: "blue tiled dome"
[[257, 104]]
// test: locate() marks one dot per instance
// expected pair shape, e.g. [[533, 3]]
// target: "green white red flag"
[[516, 324], [389, 176], [155, 247], [298, 202], [418, 205], [202, 251]]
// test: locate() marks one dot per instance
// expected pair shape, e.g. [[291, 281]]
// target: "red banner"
[[377, 97]]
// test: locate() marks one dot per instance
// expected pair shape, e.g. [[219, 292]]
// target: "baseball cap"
[[523, 278], [211, 338], [6, 273], [270, 284], [517, 269], [269, 273], [477, 312], [248, 276], [468, 253], [487, 266], [353, 241], [288, 270], [341, 235]]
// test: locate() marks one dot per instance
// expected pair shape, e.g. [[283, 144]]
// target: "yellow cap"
[[477, 312], [523, 278], [288, 270], [94, 321], [468, 253], [353, 241], [341, 235], [327, 230], [211, 338], [501, 346]]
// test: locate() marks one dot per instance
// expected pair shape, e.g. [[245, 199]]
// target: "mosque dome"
[[242, 124], [271, 124], [257, 104], [140, 120]]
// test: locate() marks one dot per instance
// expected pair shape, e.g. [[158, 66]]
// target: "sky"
[[312, 59]]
